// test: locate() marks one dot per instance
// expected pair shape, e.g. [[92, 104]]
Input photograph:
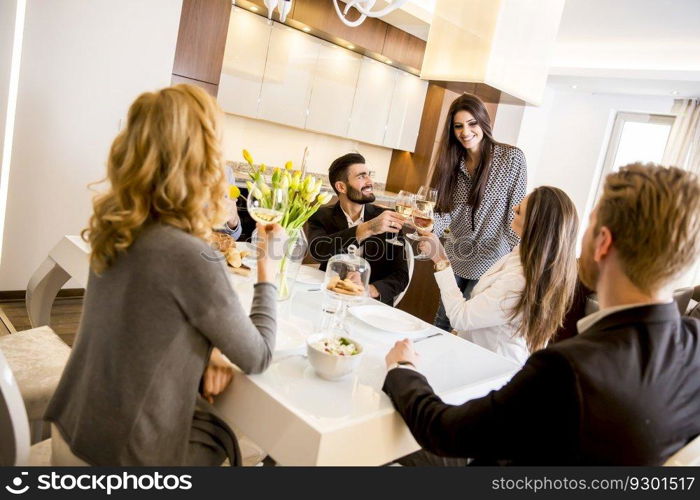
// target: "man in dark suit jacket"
[[626, 390], [353, 220]]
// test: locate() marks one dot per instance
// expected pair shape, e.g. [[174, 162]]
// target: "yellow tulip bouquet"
[[304, 198]]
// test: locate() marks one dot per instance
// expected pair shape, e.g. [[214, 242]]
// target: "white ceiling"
[[647, 47]]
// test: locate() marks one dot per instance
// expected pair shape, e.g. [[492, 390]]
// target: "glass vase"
[[290, 263]]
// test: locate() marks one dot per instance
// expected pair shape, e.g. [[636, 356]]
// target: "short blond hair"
[[164, 167], [653, 213]]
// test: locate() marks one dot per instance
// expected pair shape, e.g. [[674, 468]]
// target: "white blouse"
[[483, 319]]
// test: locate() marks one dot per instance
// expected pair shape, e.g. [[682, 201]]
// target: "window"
[[636, 137]]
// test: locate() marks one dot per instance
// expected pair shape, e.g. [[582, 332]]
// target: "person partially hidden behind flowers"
[[156, 302], [626, 390]]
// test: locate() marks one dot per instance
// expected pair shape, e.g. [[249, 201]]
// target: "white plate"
[[249, 260], [309, 276], [388, 319]]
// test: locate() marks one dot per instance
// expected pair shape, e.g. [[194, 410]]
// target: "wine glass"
[[427, 194], [267, 207], [423, 218], [404, 206]]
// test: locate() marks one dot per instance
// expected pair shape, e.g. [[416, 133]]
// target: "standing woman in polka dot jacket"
[[479, 181]]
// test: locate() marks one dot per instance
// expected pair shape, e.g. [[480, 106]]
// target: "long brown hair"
[[165, 166], [451, 151], [548, 256]]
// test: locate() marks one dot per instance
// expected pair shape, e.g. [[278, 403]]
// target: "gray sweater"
[[127, 395]]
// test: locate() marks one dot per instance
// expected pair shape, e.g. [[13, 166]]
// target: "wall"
[[565, 139], [275, 144], [83, 63], [9, 10]]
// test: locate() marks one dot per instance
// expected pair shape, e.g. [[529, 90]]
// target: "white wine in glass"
[[426, 196], [267, 209], [423, 218], [404, 206]]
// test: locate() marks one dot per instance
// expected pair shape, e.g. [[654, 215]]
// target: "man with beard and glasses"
[[626, 390], [354, 220]]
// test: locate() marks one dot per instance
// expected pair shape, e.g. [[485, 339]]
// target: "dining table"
[[301, 419], [290, 412]]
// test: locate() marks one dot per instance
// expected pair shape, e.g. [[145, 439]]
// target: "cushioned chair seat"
[[40, 454], [37, 358]]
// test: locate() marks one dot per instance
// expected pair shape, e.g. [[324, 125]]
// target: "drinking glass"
[[427, 195], [267, 208], [423, 218], [404, 206]]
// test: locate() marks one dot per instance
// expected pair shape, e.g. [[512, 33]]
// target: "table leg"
[[42, 289]]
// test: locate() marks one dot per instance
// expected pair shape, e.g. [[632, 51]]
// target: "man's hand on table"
[[402, 352], [217, 376]]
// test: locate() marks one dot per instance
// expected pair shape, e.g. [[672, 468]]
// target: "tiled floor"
[[65, 317]]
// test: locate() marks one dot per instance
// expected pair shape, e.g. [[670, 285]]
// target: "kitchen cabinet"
[[289, 73], [279, 74], [333, 90], [370, 110], [405, 112], [244, 63]]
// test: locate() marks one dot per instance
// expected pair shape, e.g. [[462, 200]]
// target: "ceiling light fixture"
[[574, 87], [351, 46], [306, 29], [388, 61], [364, 7]]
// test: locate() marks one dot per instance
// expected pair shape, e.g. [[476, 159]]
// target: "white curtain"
[[683, 150], [683, 147]]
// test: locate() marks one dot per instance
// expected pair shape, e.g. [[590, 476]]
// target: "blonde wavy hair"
[[164, 167]]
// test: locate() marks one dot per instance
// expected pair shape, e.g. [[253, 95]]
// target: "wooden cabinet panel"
[[244, 63], [335, 80], [320, 14], [201, 39], [209, 87], [370, 110], [403, 48], [289, 70]]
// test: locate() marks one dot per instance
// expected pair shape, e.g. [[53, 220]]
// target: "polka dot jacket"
[[472, 250]]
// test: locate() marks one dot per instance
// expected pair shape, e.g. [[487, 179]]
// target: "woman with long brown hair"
[[479, 181], [520, 301], [159, 298]]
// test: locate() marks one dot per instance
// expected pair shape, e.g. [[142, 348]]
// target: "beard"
[[588, 271], [356, 196]]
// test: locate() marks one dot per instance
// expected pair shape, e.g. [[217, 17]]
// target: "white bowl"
[[331, 366]]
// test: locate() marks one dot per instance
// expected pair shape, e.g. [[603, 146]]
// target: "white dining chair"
[[410, 262], [37, 358], [689, 455], [14, 425]]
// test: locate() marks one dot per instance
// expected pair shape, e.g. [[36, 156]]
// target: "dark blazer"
[[624, 392], [329, 235]]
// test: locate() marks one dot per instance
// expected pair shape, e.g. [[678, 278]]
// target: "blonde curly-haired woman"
[[157, 302]]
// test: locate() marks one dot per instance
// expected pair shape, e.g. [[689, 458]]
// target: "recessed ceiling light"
[[254, 8], [674, 92], [306, 29], [351, 46]]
